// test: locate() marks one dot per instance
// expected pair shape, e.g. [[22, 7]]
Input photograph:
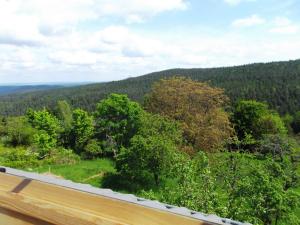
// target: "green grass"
[[87, 171]]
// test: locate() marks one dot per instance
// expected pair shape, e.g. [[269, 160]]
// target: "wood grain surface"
[[63, 206]]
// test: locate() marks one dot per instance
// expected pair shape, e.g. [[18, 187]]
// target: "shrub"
[[61, 156], [92, 149], [19, 158]]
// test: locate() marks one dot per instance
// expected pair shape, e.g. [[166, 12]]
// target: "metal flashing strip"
[[28, 176]]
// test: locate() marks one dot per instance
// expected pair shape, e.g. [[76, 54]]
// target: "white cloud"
[[55, 41], [282, 25], [248, 21], [30, 22]]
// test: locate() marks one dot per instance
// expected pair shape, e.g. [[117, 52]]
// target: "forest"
[[187, 143], [276, 83]]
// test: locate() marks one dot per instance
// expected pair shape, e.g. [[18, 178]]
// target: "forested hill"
[[277, 83], [12, 89]]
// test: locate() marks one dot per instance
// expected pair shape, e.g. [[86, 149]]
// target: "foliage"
[[82, 130], [274, 146], [92, 149], [44, 121], [18, 158], [276, 83], [261, 198], [270, 124], [63, 112], [197, 106], [254, 118], [257, 190], [288, 119], [18, 132], [44, 143], [117, 120], [151, 150], [61, 156], [196, 185], [147, 156], [259, 186], [296, 122]]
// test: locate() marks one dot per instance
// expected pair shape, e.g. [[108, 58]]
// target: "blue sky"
[[100, 40]]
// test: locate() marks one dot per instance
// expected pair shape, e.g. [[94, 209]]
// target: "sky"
[[45, 41]]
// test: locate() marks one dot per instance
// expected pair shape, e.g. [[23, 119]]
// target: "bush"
[[275, 146], [19, 158], [92, 149], [61, 156], [271, 124]]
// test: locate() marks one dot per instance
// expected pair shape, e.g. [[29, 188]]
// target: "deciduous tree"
[[197, 106], [117, 121]]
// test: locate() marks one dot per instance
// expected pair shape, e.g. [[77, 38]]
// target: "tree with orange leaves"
[[197, 106]]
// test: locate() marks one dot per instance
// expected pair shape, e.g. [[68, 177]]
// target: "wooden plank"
[[8, 217], [59, 205]]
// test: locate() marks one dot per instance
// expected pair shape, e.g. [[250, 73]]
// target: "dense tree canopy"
[[197, 106], [117, 120], [146, 151], [254, 119], [151, 151], [276, 83], [296, 123]]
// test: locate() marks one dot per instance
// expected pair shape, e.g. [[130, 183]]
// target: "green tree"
[[257, 191], [63, 112], [117, 121], [288, 120], [44, 121], [19, 131], [151, 150], [82, 130], [48, 127], [261, 198], [92, 149], [196, 186], [45, 143], [254, 118]]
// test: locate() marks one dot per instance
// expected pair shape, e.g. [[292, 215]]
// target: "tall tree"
[[117, 120], [151, 150], [63, 112], [197, 106], [82, 129]]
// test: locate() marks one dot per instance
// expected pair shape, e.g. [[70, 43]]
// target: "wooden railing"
[[28, 201]]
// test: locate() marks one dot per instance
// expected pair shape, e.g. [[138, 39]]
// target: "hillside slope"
[[13, 89], [277, 83]]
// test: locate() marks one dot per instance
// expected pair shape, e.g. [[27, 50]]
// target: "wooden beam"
[[8, 217], [60, 205]]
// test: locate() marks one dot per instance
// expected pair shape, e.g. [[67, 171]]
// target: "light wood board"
[[63, 206]]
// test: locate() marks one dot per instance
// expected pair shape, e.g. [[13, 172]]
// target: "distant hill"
[[12, 89], [277, 83]]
